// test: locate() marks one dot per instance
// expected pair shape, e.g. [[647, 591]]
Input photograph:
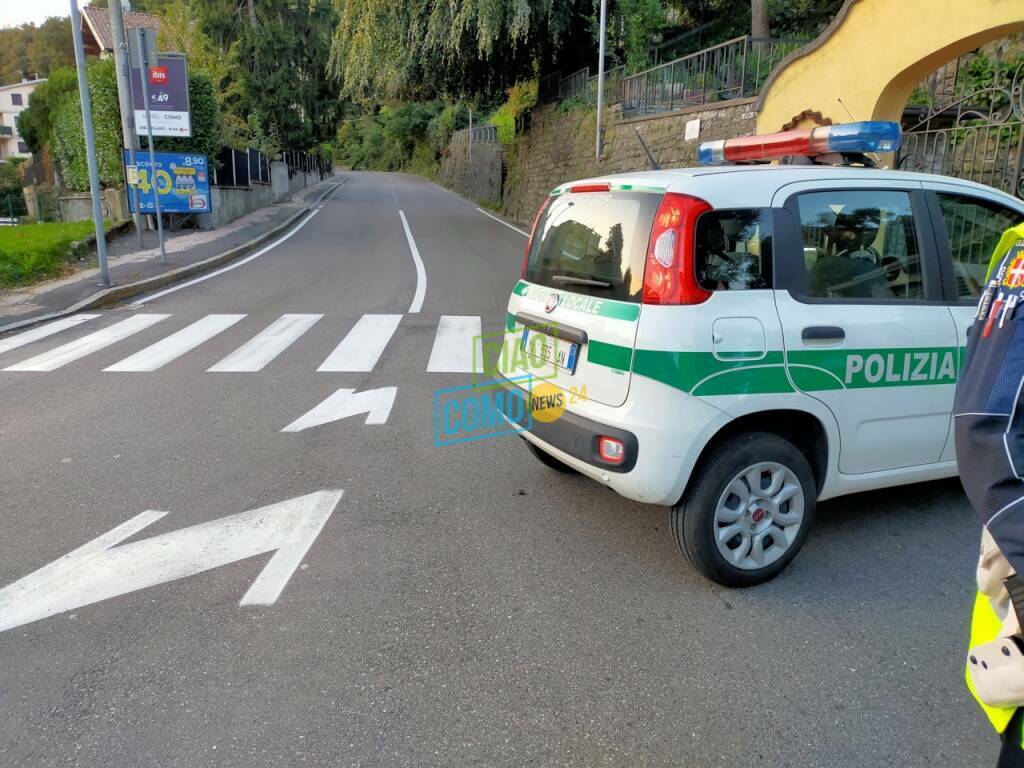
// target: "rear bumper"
[[577, 436], [664, 431]]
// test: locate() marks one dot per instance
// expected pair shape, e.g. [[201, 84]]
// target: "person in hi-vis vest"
[[989, 427]]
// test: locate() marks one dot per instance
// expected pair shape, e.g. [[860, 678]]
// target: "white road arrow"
[[101, 570], [375, 403]]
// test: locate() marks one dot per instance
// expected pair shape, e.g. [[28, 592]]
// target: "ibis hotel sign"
[[168, 98]]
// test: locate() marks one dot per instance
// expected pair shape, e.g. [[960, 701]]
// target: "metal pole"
[[470, 135], [600, 78], [124, 100], [90, 144], [144, 77]]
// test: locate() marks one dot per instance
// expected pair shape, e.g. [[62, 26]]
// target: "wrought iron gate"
[[968, 127]]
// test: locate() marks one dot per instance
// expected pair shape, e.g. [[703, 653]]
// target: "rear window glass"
[[734, 249], [594, 243]]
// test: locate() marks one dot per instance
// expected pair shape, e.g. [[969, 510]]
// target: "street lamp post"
[[124, 99], [600, 77], [144, 65], [90, 144]]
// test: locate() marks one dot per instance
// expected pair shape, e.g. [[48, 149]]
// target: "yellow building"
[[865, 65]]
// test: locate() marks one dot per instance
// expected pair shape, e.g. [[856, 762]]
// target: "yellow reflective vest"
[[985, 623], [1010, 236], [985, 627]]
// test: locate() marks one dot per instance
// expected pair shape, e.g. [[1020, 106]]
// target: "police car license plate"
[[551, 350]]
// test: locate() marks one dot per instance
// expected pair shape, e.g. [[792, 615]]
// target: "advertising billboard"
[[182, 181], [168, 98]]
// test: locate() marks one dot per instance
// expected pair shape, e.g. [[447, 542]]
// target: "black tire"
[[694, 526], [548, 460]]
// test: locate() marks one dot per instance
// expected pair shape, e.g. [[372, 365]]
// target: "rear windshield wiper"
[[570, 280]]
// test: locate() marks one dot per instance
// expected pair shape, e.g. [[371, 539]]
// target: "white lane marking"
[[100, 570], [266, 345], [393, 195], [363, 345], [375, 403], [421, 273], [177, 344], [229, 267], [502, 221], [21, 339], [79, 348], [456, 344]]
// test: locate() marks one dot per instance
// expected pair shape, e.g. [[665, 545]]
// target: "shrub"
[[68, 136]]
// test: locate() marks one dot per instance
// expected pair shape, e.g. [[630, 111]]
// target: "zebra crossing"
[[457, 346]]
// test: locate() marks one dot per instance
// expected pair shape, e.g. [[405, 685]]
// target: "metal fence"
[[245, 167], [12, 205], [734, 69], [575, 85], [240, 168], [967, 120], [305, 162], [612, 86], [487, 134]]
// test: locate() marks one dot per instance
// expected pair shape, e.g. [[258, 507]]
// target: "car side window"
[[860, 244], [974, 227], [734, 249]]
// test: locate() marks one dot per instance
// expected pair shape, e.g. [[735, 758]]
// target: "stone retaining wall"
[[559, 147]]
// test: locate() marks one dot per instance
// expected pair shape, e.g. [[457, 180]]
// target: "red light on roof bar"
[[773, 145], [604, 186]]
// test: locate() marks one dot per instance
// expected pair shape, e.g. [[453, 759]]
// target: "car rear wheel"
[[747, 511], [548, 460]]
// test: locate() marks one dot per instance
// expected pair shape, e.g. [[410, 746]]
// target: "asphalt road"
[[462, 605]]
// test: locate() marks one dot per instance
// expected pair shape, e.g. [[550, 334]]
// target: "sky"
[[15, 12]]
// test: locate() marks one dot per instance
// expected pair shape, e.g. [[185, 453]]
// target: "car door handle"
[[823, 333]]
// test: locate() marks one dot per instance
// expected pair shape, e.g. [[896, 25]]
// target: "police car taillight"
[[611, 450], [533, 231], [851, 138], [669, 275]]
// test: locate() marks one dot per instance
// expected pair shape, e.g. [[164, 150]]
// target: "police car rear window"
[[594, 243]]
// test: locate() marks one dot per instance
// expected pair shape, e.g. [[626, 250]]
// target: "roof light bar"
[[867, 136]]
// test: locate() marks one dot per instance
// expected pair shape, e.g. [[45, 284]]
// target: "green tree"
[[35, 124], [51, 46], [385, 50], [30, 51], [277, 92]]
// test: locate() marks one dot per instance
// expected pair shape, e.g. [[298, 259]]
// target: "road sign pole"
[[124, 100], [90, 144], [144, 77], [600, 77]]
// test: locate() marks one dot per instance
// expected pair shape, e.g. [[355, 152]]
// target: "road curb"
[[118, 293]]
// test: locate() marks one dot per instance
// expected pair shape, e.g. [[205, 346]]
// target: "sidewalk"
[[184, 248]]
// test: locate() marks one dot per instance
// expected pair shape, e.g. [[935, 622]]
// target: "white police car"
[[740, 341]]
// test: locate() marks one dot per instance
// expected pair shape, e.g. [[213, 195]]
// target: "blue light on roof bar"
[[867, 136]]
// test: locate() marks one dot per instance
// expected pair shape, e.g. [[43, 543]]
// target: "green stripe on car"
[[615, 310], [705, 374]]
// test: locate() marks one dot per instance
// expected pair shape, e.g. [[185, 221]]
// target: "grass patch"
[[33, 252]]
